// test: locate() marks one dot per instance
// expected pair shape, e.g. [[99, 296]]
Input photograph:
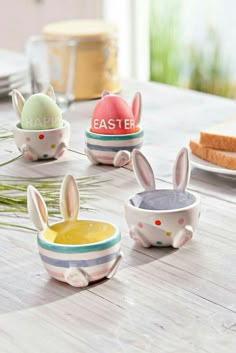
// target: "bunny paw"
[[60, 150], [29, 153], [115, 266], [90, 156], [121, 158], [182, 237], [140, 239], [76, 277]]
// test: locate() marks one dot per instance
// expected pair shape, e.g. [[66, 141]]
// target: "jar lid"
[[80, 29]]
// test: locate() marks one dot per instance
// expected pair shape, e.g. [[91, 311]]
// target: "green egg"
[[40, 112]]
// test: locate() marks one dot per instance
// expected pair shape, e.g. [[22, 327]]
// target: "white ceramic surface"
[[112, 149], [76, 264], [42, 144], [115, 149], [162, 217]]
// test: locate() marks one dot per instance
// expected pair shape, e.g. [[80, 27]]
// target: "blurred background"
[[187, 43]]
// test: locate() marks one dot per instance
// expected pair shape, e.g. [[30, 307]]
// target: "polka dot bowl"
[[164, 227], [42, 144], [162, 217]]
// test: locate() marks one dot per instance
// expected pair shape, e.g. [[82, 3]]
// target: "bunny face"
[[74, 251], [162, 217], [114, 131]]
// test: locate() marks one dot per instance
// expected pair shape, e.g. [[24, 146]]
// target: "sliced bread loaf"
[[220, 137], [221, 158]]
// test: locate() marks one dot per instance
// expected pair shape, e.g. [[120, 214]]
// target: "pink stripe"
[[94, 274], [56, 274], [105, 157], [98, 273]]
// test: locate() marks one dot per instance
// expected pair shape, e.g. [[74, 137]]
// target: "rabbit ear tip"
[[69, 176], [138, 96], [105, 93], [50, 87], [183, 151], [30, 188], [135, 152]]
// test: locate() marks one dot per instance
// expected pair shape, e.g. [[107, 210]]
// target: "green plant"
[[203, 64], [164, 43], [209, 71], [13, 192]]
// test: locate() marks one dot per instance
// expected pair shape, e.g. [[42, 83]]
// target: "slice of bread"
[[221, 136], [221, 158]]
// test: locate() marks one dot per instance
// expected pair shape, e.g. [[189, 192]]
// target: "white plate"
[[209, 167], [5, 83], [5, 92], [12, 64]]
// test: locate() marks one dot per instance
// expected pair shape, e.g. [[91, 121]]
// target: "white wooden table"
[[161, 300]]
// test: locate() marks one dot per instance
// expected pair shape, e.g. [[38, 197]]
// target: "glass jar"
[[96, 63]]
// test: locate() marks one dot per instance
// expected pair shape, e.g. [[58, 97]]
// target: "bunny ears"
[[69, 203], [145, 176], [18, 100]]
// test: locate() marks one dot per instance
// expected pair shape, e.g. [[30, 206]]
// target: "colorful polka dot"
[[41, 137], [159, 243], [28, 139], [45, 156], [157, 222], [168, 234], [180, 220], [53, 145], [140, 224]]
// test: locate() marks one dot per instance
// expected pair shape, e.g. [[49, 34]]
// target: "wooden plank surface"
[[161, 300]]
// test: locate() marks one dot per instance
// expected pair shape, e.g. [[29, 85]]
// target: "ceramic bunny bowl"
[[74, 251], [162, 217], [115, 131], [41, 132]]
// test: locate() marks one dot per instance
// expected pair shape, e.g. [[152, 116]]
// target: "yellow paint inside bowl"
[[78, 232]]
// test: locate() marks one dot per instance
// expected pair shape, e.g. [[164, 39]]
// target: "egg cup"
[[42, 144], [164, 217], [52, 140], [114, 149], [74, 251]]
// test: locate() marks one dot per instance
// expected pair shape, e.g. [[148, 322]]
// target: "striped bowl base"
[[104, 148]]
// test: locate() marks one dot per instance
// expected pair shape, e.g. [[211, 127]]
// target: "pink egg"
[[113, 116]]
